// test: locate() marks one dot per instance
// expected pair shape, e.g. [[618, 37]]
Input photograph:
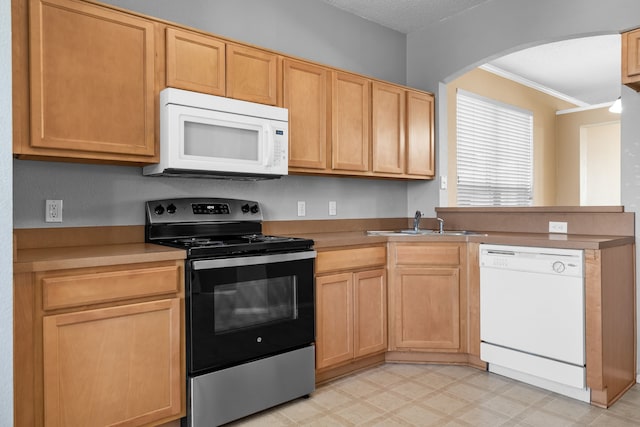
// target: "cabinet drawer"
[[427, 255], [350, 259], [96, 286]]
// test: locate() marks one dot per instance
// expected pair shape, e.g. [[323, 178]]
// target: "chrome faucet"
[[440, 225], [416, 221]]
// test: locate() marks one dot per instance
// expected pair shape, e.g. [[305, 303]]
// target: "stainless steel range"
[[249, 305]]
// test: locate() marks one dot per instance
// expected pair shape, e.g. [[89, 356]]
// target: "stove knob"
[[245, 208], [254, 209], [171, 209], [159, 210]]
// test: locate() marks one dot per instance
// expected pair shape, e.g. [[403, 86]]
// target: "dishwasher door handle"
[[499, 252]]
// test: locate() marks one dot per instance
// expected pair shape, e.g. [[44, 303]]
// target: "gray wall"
[[450, 48], [6, 240], [111, 195], [114, 195], [308, 29]]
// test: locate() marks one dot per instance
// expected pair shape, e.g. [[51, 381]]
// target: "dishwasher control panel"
[[566, 262]]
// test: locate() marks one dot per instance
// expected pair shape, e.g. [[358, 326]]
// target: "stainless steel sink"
[[412, 232]]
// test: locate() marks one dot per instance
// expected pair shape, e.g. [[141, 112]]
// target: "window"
[[494, 152]]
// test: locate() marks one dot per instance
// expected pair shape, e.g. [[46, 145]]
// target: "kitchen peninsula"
[[449, 267]]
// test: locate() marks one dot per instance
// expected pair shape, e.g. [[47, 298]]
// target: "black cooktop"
[[198, 247], [214, 227]]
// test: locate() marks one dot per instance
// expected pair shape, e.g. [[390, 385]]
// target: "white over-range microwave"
[[211, 136]]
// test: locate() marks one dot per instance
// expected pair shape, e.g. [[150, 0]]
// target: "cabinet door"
[[118, 365], [427, 308], [252, 74], [306, 95], [420, 146], [334, 334], [350, 118], [195, 62], [92, 82], [388, 120], [370, 312], [631, 59]]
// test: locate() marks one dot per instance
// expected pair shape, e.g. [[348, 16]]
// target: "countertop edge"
[[48, 259], [567, 241]]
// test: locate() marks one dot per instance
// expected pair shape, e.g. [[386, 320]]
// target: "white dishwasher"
[[532, 316]]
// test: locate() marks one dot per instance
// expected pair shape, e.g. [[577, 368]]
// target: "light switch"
[[443, 182]]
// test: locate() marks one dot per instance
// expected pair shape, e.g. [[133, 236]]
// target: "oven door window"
[[240, 313], [254, 302]]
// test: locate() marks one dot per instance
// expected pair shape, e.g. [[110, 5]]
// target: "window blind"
[[494, 152]]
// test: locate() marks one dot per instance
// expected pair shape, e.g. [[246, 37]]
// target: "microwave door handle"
[[268, 157]]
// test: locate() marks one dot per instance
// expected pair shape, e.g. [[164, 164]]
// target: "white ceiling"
[[584, 71]]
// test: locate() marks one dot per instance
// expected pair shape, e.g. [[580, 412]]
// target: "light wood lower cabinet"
[[610, 297], [112, 365], [427, 297], [100, 346], [351, 304], [427, 308]]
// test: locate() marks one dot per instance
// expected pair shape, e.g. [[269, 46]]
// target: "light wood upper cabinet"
[[420, 148], [388, 127], [195, 62], [350, 114], [92, 77], [116, 365], [206, 64], [631, 59], [306, 93], [87, 76], [252, 74]]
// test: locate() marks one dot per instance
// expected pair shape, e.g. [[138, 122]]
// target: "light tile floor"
[[436, 395]]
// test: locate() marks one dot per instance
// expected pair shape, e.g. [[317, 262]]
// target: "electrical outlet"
[[333, 208], [557, 227], [53, 211], [302, 208]]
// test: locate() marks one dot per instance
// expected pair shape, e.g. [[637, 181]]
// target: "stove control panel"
[[202, 209], [210, 208]]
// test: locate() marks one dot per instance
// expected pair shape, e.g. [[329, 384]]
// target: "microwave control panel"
[[280, 147]]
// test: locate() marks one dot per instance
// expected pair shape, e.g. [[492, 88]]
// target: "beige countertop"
[[568, 241], [81, 256], [47, 259]]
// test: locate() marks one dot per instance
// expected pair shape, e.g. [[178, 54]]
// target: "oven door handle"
[[205, 264]]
